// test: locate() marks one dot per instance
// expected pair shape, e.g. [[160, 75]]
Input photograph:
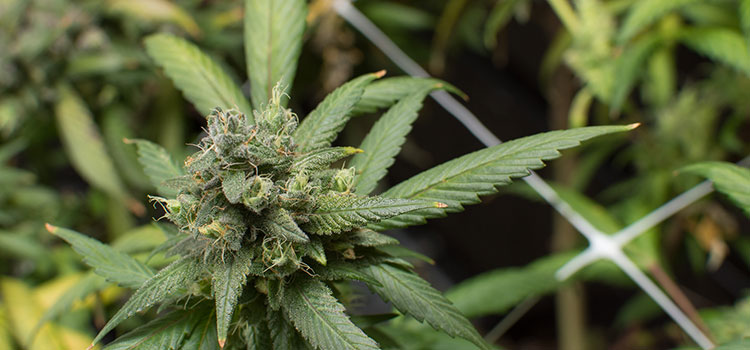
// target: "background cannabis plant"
[[270, 226]]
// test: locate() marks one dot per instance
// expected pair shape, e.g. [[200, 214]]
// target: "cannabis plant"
[[272, 220]]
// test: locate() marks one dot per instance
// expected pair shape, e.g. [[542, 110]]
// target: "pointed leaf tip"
[[380, 73], [634, 125], [50, 228], [440, 205], [222, 342], [127, 141]]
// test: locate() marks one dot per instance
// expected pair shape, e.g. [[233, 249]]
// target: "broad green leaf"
[[283, 334], [22, 246], [158, 165], [176, 276], [629, 67], [203, 336], [342, 212], [721, 44], [660, 83], [383, 142], [644, 13], [322, 158], [339, 270], [84, 145], [283, 226], [369, 238], [257, 337], [386, 92], [201, 79], [141, 239], [273, 41], [320, 318], [729, 179], [414, 296], [157, 11], [6, 340], [324, 123], [461, 181], [113, 265], [226, 285], [166, 332]]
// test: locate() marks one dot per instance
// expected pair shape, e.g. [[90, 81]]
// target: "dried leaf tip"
[[440, 205], [354, 150], [90, 346], [127, 141], [50, 228], [222, 342], [380, 73], [633, 126]]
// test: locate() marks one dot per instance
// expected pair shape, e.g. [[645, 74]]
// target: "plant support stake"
[[601, 245]]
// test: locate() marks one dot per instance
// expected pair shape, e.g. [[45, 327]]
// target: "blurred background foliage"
[[75, 81]]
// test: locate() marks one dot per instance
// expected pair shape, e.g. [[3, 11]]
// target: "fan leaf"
[[383, 142], [414, 296], [273, 41], [729, 179], [324, 123], [320, 318], [158, 165], [461, 181], [111, 264], [342, 212], [201, 79]]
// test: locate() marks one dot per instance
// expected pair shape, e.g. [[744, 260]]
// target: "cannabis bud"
[[248, 188]]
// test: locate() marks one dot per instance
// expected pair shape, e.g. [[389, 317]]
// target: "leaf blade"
[[113, 265], [273, 42], [412, 295], [226, 283], [730, 179], [462, 180], [202, 80], [383, 142], [320, 318], [158, 165], [324, 123]]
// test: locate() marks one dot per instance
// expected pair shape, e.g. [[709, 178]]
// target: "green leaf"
[[720, 44], [283, 334], [273, 41], [386, 92], [113, 265], [338, 270], [201, 79], [226, 283], [203, 336], [629, 67], [281, 224], [174, 277], [84, 145], [115, 128], [369, 238], [257, 337], [322, 158], [644, 13], [324, 123], [383, 142], [167, 332], [342, 212], [730, 179], [412, 295], [461, 181], [320, 318], [158, 165]]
